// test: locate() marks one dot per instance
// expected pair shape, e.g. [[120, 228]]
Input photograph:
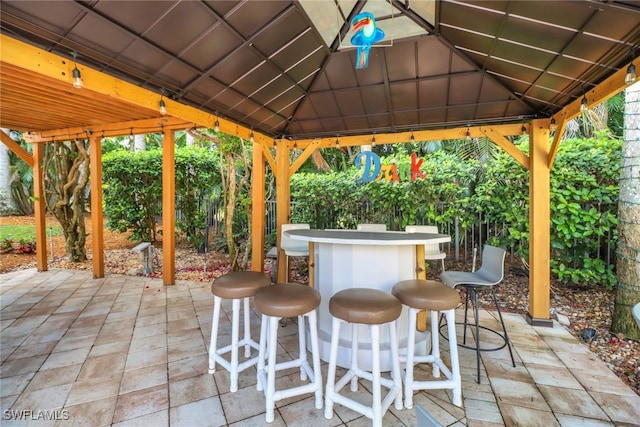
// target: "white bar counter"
[[345, 259]]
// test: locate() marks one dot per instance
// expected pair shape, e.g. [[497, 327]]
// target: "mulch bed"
[[587, 308]]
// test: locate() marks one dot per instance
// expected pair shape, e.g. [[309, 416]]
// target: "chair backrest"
[[289, 244], [429, 248], [372, 227], [636, 313], [492, 268]]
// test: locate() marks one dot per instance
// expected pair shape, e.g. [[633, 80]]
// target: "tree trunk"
[[628, 257], [7, 205], [65, 189], [140, 142]]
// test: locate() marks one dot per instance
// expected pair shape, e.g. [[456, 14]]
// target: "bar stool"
[[375, 308], [236, 286], [276, 302], [436, 297]]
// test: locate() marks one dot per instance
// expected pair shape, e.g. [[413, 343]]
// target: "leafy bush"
[[133, 190]]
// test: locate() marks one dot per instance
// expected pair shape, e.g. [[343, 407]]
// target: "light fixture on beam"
[[552, 125], [162, 105], [216, 125], [523, 129], [630, 77], [337, 142], [77, 78], [584, 103], [251, 139], [468, 136], [373, 141], [413, 138]]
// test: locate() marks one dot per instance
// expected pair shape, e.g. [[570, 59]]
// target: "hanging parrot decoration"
[[366, 34]]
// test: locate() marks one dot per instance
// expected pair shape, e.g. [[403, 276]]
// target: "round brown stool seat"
[[274, 303], [238, 286], [436, 297], [363, 305], [286, 300], [376, 309], [426, 295]]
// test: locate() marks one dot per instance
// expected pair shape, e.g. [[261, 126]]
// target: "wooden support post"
[[40, 208], [283, 200], [168, 209], [539, 224], [421, 274], [97, 222], [257, 208]]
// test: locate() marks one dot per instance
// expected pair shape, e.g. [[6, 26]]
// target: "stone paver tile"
[[43, 399], [572, 402], [66, 358], [192, 389], [159, 418], [620, 408], [206, 412], [95, 413], [94, 389], [553, 376], [142, 359], [572, 421], [15, 384], [143, 378], [189, 367], [15, 367], [56, 376], [518, 394], [141, 402], [244, 403], [527, 417]]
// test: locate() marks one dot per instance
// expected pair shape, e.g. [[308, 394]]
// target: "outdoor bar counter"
[[342, 259]]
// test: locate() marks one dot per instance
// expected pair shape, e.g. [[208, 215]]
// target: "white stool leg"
[[261, 352], [453, 351], [331, 372], [315, 354], [376, 404], [271, 368], [395, 365], [302, 356], [215, 320], [247, 328], [354, 355], [235, 328], [411, 344], [435, 344]]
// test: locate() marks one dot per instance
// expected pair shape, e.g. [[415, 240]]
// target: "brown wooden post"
[[39, 208], [168, 209], [283, 200], [421, 274], [97, 222], [257, 209], [539, 224]]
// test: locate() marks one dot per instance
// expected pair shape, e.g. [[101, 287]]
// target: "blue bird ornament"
[[366, 34]]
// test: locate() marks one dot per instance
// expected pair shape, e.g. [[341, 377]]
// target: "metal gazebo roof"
[[286, 68]]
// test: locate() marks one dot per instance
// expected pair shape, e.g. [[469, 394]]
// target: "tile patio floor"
[[126, 351]]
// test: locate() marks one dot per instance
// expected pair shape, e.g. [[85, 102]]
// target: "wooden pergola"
[[38, 98]]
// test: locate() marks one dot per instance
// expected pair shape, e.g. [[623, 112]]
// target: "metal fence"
[[463, 240]]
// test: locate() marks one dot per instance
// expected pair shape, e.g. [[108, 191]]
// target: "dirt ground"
[[585, 307]]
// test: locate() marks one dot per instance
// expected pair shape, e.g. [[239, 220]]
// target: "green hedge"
[[133, 190], [584, 191]]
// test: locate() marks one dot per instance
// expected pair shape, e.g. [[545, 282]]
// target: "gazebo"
[[281, 73]]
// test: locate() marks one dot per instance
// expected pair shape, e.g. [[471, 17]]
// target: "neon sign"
[[373, 169]]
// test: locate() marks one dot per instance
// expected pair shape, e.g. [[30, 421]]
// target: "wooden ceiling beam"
[[135, 127]]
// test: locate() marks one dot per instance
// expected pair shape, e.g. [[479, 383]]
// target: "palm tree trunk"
[[628, 258]]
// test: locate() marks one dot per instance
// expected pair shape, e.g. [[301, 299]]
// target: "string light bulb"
[[552, 125], [163, 106], [468, 136], [630, 77], [251, 139], [373, 141], [216, 125], [413, 138], [583, 103], [77, 78], [524, 129], [337, 142]]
